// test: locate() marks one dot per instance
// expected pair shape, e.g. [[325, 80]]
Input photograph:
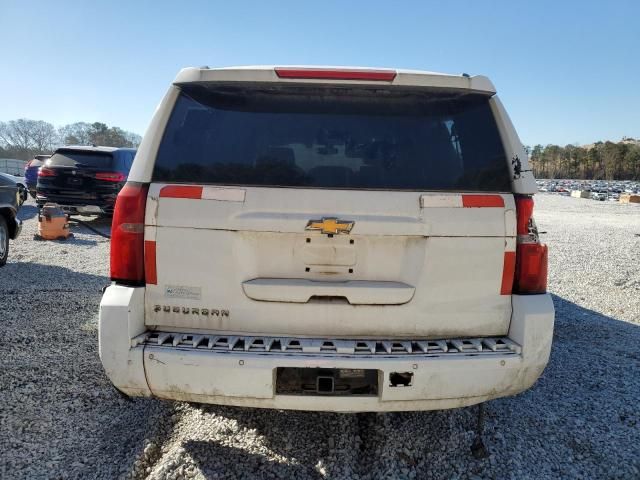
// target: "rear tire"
[[4, 241]]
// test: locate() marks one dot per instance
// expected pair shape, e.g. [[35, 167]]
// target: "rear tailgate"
[[428, 265], [343, 212]]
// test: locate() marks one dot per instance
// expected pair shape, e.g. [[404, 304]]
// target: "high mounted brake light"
[[531, 256], [127, 235], [331, 74]]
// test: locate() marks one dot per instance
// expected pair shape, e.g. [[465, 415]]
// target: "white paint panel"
[[122, 318], [441, 201], [146, 154], [176, 371], [524, 183], [457, 284], [510, 222], [290, 209], [223, 194]]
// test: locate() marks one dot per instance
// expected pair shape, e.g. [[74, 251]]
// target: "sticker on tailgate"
[[182, 291]]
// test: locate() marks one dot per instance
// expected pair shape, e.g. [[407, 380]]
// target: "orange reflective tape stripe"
[[150, 272], [479, 201], [181, 191], [508, 271]]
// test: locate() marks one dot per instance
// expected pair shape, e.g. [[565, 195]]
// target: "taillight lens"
[[524, 207], [532, 257], [127, 235], [46, 172], [531, 268], [111, 176]]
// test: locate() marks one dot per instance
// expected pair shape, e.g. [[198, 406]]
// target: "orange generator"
[[53, 223]]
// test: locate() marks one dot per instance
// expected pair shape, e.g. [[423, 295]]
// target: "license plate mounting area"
[[326, 381]]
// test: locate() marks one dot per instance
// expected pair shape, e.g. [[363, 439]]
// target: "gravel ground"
[[60, 418]]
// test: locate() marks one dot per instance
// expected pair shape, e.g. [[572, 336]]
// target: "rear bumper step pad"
[[324, 346]]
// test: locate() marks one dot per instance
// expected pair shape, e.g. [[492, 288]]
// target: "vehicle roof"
[[13, 178], [90, 148], [267, 73]]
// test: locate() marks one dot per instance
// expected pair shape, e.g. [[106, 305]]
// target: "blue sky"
[[567, 71]]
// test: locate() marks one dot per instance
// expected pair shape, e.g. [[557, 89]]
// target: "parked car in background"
[[84, 180], [327, 239], [610, 188], [21, 185], [10, 225], [31, 172]]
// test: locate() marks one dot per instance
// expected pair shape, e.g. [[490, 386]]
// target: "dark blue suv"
[[84, 180], [31, 172]]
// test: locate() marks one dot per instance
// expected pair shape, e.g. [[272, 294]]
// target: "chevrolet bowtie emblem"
[[330, 225]]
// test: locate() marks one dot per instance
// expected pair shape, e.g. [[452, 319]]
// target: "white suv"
[[337, 239]]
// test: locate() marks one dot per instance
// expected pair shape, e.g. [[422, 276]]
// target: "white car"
[[336, 239]]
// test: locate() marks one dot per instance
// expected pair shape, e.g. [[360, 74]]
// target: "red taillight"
[[532, 260], [332, 74], [524, 207], [46, 172], [531, 268], [127, 235], [111, 176]]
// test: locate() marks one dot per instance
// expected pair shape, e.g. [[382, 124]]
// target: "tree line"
[[599, 161], [24, 138]]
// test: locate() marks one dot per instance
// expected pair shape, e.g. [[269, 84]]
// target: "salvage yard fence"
[[12, 166]]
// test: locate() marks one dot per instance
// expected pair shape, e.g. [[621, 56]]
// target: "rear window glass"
[[81, 159], [351, 138]]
